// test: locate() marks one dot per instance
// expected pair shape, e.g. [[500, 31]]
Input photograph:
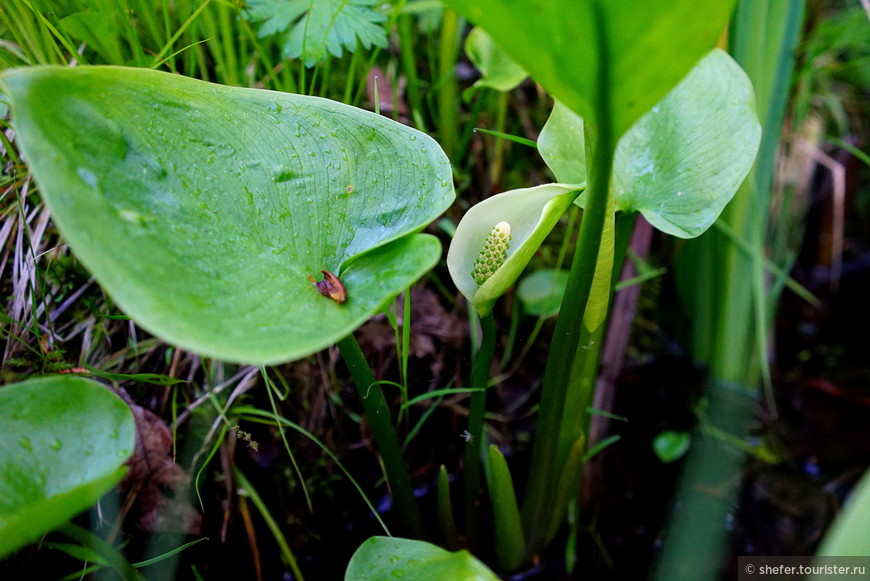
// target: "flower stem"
[[380, 419], [476, 445], [544, 471]]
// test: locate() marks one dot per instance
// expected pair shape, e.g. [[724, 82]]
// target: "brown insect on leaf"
[[330, 287]]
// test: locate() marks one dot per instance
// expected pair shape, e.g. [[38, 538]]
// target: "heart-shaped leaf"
[[203, 209], [683, 161], [530, 213], [541, 292], [498, 70], [405, 560], [66, 441], [561, 144], [647, 46]]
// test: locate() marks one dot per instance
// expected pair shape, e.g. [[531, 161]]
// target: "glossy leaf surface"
[[66, 441], [648, 46], [683, 161], [396, 559], [562, 146], [202, 209]]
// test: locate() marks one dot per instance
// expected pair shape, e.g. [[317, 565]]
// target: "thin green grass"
[[271, 523], [255, 415]]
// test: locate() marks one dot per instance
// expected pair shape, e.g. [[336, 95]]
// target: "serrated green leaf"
[[313, 28], [202, 209], [67, 439]]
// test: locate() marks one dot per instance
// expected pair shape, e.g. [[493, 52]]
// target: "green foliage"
[[849, 535], [562, 145], [215, 228], [679, 165], [509, 542], [67, 439], [541, 292], [729, 301], [312, 29], [647, 47], [224, 285], [498, 71], [683, 161], [669, 445], [835, 67], [646, 146], [382, 558]]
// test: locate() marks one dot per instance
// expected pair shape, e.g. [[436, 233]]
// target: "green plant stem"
[[409, 65], [448, 89], [566, 338], [475, 446], [544, 470], [584, 374], [112, 556], [378, 413], [497, 166]]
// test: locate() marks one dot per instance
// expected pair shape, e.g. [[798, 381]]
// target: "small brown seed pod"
[[330, 287]]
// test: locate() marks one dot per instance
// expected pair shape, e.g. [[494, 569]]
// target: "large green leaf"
[[646, 45], [381, 558], [66, 439], [683, 161], [202, 209]]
